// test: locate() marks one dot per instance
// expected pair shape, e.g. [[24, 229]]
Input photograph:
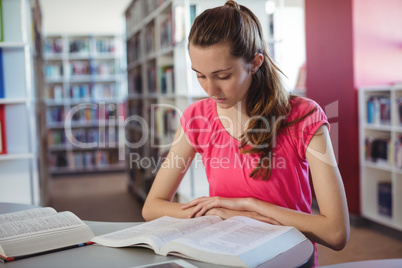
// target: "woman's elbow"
[[339, 239], [147, 212]]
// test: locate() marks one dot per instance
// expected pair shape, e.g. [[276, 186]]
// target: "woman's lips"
[[219, 100]]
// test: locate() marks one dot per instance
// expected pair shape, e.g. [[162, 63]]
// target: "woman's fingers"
[[193, 202]]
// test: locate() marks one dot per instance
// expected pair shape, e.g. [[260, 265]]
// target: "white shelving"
[[18, 165], [380, 154], [159, 74], [84, 98]]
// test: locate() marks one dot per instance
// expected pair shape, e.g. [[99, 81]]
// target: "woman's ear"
[[257, 62]]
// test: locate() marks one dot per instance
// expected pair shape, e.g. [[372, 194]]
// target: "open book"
[[238, 241], [40, 230]]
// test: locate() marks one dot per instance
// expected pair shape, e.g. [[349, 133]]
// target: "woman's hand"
[[202, 205], [225, 213]]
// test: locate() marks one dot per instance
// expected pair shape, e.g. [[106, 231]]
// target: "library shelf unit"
[[380, 131], [18, 143], [161, 85], [84, 98]]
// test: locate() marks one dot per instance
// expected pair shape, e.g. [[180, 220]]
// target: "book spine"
[[3, 144], [2, 89], [378, 150], [385, 198], [399, 108], [1, 22], [379, 110]]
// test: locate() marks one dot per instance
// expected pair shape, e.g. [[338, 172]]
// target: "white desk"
[[97, 256]]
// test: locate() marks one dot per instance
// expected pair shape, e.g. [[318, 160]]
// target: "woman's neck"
[[234, 119]]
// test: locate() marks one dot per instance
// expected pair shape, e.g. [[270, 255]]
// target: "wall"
[[377, 42], [350, 44], [330, 80], [83, 16]]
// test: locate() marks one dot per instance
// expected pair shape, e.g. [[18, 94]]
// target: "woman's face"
[[224, 78]]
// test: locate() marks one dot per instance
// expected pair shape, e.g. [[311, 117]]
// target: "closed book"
[[385, 198], [3, 144], [1, 22], [2, 89]]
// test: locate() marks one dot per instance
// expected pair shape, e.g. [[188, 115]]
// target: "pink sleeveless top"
[[228, 170]]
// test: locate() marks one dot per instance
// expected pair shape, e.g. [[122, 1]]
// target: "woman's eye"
[[224, 77], [200, 76]]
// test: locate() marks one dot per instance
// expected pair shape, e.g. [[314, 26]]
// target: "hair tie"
[[233, 4]]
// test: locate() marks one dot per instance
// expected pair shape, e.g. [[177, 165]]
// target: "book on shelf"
[[166, 79], [102, 68], [238, 241], [40, 230], [3, 141], [385, 198], [167, 35], [80, 91], [79, 46], [78, 68], [2, 89], [1, 22], [101, 91], [53, 46], [78, 160], [55, 92], [165, 122], [135, 82], [378, 150], [150, 39], [1, 138], [133, 49], [54, 70], [55, 115], [104, 45], [152, 83], [398, 152], [399, 110], [379, 110]]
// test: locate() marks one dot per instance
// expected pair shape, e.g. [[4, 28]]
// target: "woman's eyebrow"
[[214, 72]]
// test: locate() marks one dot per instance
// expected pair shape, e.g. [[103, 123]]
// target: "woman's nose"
[[212, 88]]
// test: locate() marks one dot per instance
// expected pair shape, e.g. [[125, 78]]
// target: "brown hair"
[[266, 97]]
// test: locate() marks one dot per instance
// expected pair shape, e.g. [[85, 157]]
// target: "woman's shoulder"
[[297, 102], [301, 106]]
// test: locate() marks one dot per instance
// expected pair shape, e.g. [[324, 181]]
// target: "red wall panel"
[[330, 81]]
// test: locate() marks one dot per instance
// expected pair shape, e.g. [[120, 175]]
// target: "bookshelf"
[[161, 85], [380, 117], [84, 96], [18, 142]]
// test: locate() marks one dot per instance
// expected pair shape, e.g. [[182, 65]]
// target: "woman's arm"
[[159, 200], [330, 228]]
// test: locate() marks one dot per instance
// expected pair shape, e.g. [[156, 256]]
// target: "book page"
[[159, 231], [26, 214], [62, 220], [238, 236]]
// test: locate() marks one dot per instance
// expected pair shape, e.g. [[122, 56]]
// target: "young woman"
[[257, 142]]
